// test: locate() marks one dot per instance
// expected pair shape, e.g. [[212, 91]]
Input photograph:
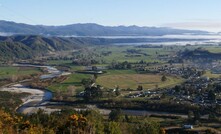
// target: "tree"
[[212, 95], [94, 68], [129, 66], [147, 127], [86, 82], [113, 128], [117, 92], [218, 108], [177, 88], [92, 93], [77, 123], [95, 76], [190, 115], [203, 72], [210, 131], [140, 88], [164, 78], [212, 116], [96, 120], [196, 115], [162, 131], [115, 115]]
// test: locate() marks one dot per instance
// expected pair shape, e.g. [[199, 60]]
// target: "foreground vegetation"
[[74, 122]]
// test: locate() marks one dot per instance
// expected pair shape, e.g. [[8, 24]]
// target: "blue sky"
[[189, 14]]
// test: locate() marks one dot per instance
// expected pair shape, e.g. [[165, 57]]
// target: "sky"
[[186, 14]]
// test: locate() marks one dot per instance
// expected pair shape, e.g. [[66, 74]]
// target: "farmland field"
[[6, 72], [120, 54], [211, 75], [213, 49], [148, 81], [74, 79]]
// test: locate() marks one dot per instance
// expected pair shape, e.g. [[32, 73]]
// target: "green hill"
[[25, 47]]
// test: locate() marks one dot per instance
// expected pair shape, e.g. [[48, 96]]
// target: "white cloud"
[[208, 26]]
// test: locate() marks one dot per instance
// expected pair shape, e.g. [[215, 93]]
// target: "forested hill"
[[200, 54], [89, 29], [24, 47]]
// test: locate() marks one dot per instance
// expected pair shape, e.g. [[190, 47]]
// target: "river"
[[32, 103]]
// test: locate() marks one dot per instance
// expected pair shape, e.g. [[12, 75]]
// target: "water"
[[164, 40], [186, 36], [37, 96]]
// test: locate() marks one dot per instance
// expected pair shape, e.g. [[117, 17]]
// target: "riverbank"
[[31, 103]]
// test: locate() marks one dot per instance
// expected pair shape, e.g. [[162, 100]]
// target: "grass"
[[111, 72], [122, 78], [76, 68], [72, 80], [6, 72], [59, 62], [211, 75], [148, 81], [171, 81], [119, 53], [214, 49]]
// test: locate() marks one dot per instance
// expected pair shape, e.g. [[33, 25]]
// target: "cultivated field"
[[72, 80], [124, 81], [120, 54], [6, 72]]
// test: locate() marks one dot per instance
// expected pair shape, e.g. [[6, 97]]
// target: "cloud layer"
[[208, 26]]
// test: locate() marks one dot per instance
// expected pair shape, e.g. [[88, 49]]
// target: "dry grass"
[[211, 75]]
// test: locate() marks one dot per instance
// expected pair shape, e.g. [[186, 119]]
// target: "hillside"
[[200, 54], [89, 29], [30, 46]]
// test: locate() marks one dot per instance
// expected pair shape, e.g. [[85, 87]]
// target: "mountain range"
[[89, 29], [28, 41]]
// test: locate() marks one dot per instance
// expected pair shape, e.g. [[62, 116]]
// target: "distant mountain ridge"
[[89, 29]]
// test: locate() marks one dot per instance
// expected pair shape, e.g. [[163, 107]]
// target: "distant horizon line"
[[83, 23], [120, 25]]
